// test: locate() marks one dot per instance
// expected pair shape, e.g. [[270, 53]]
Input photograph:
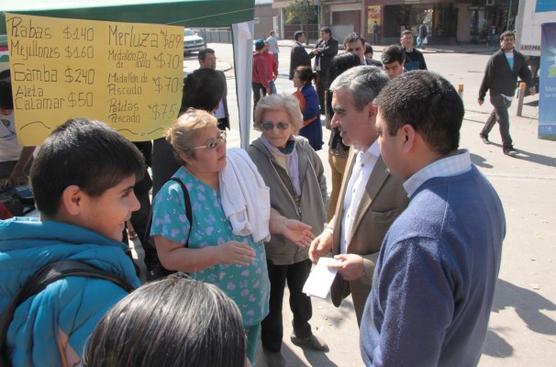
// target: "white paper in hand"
[[321, 278]]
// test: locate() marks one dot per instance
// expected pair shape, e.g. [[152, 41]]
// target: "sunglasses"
[[213, 143], [280, 125]]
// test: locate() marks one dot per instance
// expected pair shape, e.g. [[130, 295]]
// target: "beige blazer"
[[383, 200]]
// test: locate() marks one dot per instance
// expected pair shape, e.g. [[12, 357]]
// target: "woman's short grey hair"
[[363, 82], [174, 322], [184, 132], [285, 102]]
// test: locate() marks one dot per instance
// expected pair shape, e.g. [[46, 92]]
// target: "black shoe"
[[510, 152], [485, 140], [311, 342], [274, 359]]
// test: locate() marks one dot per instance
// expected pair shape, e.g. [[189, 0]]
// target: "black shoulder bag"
[[39, 281]]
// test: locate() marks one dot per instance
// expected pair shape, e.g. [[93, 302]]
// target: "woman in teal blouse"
[[214, 254]]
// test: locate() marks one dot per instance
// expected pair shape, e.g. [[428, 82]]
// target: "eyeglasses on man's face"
[[214, 142], [280, 125]]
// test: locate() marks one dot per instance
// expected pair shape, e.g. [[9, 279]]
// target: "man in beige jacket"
[[370, 198]]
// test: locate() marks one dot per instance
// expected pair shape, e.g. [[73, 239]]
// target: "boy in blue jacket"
[[82, 179]]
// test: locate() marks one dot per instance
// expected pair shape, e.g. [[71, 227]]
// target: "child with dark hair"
[[196, 325], [309, 104], [393, 58], [82, 179]]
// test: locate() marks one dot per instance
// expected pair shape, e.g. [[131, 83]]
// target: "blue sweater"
[[435, 277], [67, 311]]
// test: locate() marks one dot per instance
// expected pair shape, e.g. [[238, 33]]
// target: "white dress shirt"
[[362, 168]]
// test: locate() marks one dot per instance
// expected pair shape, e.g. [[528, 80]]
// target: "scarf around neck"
[[289, 153]]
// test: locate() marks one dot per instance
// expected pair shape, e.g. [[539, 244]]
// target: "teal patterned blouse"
[[248, 285]]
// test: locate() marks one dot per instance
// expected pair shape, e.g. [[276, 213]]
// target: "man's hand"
[[480, 101], [320, 246], [351, 267], [297, 232]]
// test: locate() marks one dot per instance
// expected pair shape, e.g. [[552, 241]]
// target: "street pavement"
[[522, 328]]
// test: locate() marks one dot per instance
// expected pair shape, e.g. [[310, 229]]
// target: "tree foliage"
[[301, 12]]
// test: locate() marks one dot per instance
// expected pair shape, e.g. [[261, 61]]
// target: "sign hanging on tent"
[[128, 75]]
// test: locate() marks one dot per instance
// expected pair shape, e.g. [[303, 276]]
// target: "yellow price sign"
[[128, 75]]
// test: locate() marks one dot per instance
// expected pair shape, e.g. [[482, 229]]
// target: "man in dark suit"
[[326, 49], [500, 78], [299, 55], [207, 60], [370, 198]]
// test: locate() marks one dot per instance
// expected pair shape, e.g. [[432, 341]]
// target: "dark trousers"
[[259, 91], [323, 83], [500, 114], [300, 304]]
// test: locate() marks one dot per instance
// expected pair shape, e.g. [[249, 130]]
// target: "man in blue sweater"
[[435, 276]]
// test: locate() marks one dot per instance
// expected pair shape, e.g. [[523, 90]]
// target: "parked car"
[[192, 41]]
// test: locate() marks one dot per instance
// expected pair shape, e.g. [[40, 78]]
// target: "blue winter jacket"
[[54, 325]]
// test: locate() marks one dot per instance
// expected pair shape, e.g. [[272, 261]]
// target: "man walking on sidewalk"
[[500, 78]]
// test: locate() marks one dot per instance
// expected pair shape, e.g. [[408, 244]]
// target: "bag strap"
[[188, 209], [40, 280]]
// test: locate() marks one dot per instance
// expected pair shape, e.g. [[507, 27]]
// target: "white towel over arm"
[[245, 197]]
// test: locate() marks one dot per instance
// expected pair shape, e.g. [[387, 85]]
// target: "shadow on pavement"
[[530, 156], [480, 161], [496, 346], [318, 358], [292, 360], [527, 305], [536, 158]]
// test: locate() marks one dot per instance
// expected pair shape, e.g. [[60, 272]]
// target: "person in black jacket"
[[500, 78], [326, 49], [414, 59], [299, 55]]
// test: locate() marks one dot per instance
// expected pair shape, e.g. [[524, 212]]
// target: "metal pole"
[[509, 14], [521, 95]]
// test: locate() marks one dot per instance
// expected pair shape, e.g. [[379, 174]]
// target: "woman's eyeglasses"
[[280, 125], [213, 143]]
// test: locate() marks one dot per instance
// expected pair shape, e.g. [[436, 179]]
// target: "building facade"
[[447, 21]]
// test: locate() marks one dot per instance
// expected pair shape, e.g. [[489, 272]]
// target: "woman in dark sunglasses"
[[295, 175]]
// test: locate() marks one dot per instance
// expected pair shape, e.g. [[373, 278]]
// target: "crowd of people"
[[229, 228]]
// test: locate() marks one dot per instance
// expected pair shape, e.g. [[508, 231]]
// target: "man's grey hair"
[[363, 82]]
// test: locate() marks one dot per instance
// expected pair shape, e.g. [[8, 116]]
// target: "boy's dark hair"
[[6, 99], [203, 53], [507, 34], [297, 34], [203, 89], [326, 29], [368, 48], [354, 37], [341, 63], [392, 54], [427, 102], [196, 325], [305, 73], [406, 31], [86, 153]]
